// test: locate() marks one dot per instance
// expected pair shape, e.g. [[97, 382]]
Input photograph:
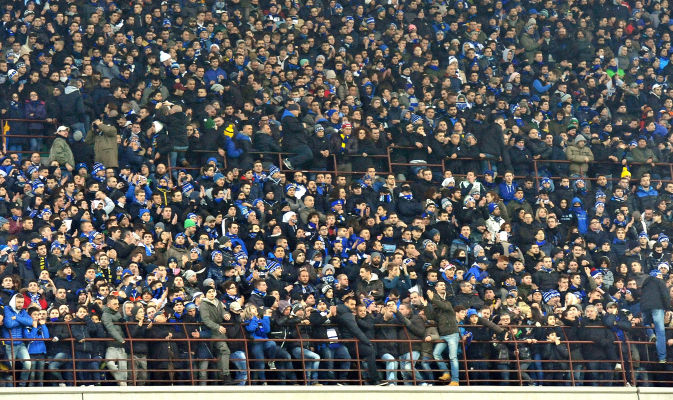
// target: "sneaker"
[[653, 338], [287, 163], [61, 385], [618, 367], [662, 361], [454, 383], [272, 365], [445, 376]]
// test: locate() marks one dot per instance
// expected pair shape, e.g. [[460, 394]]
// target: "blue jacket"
[[14, 321], [259, 328], [37, 346]]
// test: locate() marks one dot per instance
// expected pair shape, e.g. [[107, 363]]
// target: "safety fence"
[[186, 356], [390, 160]]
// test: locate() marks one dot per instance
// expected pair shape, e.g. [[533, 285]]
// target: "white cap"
[[163, 57], [61, 128], [158, 126]]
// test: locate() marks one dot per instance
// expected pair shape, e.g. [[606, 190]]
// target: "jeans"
[[657, 318], [60, 361], [238, 358], [311, 366], [21, 354], [504, 374], [177, 156], [391, 368], [302, 155], [451, 341], [339, 352], [261, 351], [116, 362], [407, 364], [140, 365], [87, 368], [37, 370]]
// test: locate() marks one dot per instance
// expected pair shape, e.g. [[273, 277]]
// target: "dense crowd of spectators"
[[163, 199]]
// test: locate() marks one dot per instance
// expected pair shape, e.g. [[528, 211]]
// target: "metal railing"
[[192, 368], [335, 166]]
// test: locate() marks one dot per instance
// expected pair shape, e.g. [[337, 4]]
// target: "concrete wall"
[[335, 393]]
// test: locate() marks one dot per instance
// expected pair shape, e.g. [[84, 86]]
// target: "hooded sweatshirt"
[[15, 321]]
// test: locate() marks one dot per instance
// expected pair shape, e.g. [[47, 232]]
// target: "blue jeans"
[[407, 364], [261, 351], [391, 368], [311, 366], [657, 318], [21, 354], [301, 155], [57, 362], [238, 359], [37, 369], [339, 352], [451, 341]]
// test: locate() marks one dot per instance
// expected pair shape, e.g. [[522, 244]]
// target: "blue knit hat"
[[36, 184], [273, 169], [547, 296], [214, 253], [492, 207], [186, 187]]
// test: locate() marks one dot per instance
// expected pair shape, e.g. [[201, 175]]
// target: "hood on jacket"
[[70, 89], [12, 302]]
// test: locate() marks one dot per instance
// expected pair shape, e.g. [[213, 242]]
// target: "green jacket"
[[443, 314], [109, 319], [576, 156], [104, 145], [61, 153], [212, 315]]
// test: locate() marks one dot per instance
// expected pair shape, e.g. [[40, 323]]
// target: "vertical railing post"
[[411, 358], [307, 376], [189, 353], [247, 356], [133, 360], [72, 352], [518, 361], [467, 369], [357, 362]]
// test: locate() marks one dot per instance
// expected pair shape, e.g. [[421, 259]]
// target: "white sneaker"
[[272, 365], [618, 367]]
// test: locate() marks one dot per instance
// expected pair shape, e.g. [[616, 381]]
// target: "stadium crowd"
[[450, 172]]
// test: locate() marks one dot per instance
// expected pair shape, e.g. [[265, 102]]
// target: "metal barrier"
[[188, 369], [335, 166]]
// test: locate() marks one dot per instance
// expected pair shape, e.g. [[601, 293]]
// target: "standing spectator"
[[213, 316], [103, 137], [60, 151], [579, 156], [653, 306], [16, 321], [116, 352], [445, 316], [294, 138]]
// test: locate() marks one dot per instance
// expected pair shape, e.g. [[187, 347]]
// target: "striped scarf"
[[344, 140]]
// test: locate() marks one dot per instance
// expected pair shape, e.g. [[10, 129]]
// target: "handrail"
[[386, 159], [512, 364]]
